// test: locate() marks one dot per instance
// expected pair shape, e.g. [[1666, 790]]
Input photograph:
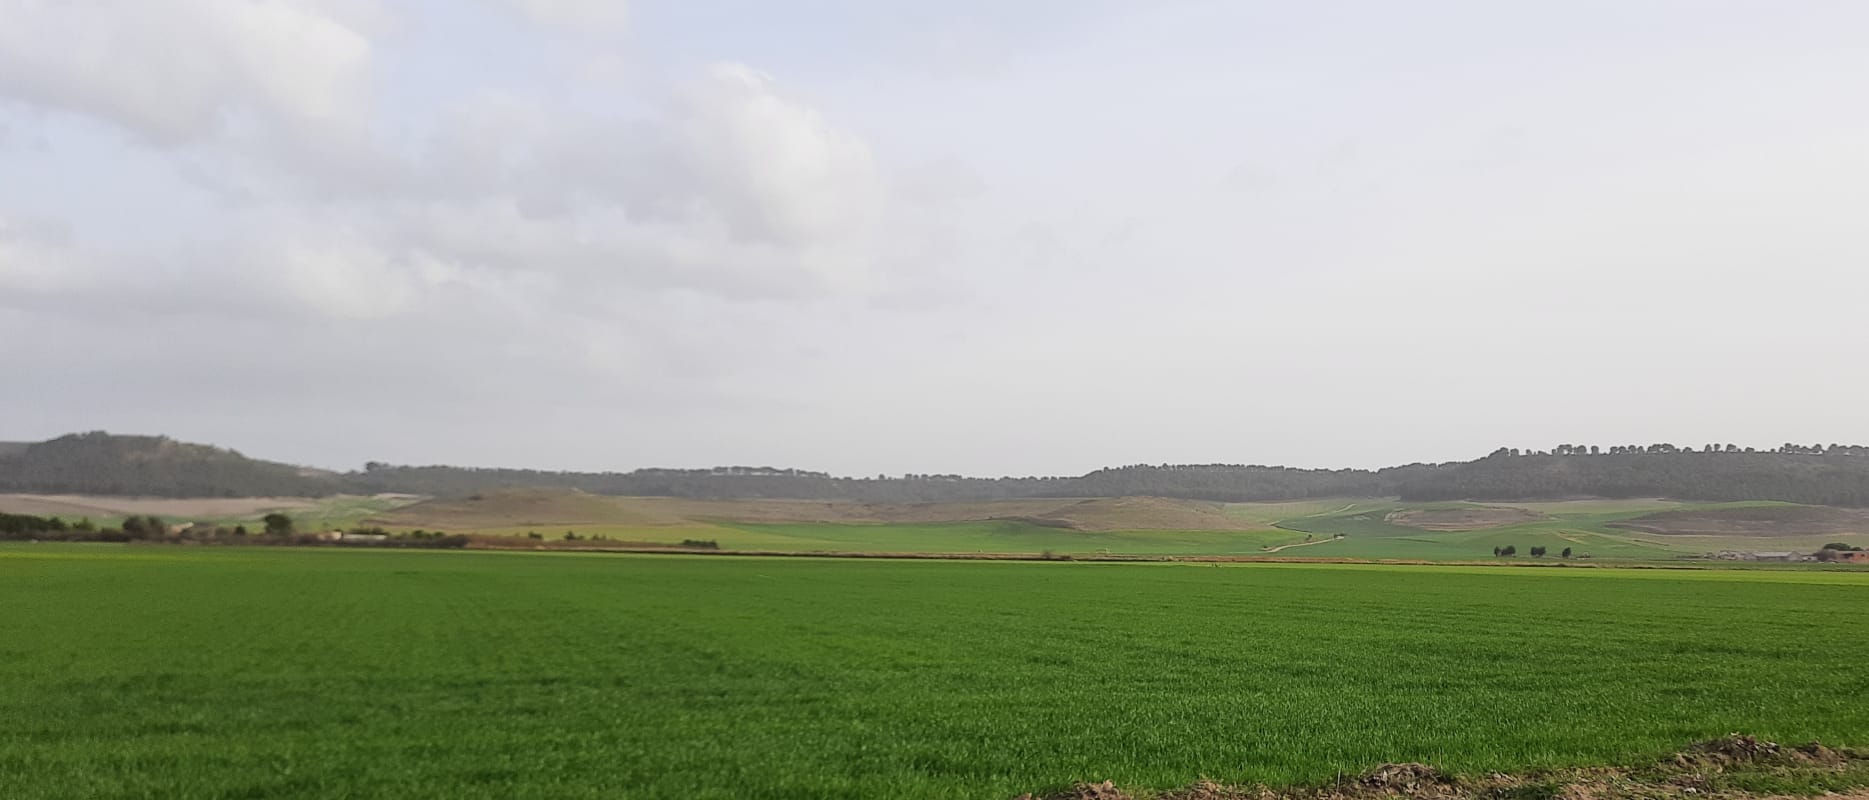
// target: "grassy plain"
[[255, 672], [312, 513], [1620, 530]]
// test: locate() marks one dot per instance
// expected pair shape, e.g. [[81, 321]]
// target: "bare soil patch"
[[1751, 521], [1141, 514], [1720, 768], [74, 505], [1470, 518], [508, 508]]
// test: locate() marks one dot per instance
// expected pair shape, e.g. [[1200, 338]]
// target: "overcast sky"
[[975, 236]]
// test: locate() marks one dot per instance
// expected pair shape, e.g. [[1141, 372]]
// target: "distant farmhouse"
[[1764, 555]]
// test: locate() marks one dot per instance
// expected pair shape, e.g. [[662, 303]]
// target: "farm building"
[[1769, 555]]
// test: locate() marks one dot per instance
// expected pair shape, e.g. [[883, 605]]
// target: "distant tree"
[[277, 524], [84, 524], [135, 528], [1498, 551], [1594, 450], [240, 530], [1510, 550], [1538, 551], [1848, 548], [1566, 552]]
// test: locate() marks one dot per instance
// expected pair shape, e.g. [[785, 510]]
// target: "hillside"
[[551, 510], [101, 463], [1835, 479], [1751, 520]]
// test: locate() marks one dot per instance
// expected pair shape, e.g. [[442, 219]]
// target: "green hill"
[[102, 463]]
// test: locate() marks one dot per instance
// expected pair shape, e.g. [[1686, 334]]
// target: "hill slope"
[[101, 463], [98, 463], [551, 509], [1840, 479]]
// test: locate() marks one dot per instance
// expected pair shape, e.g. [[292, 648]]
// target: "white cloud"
[[37, 259], [773, 167], [587, 15], [321, 196], [181, 70]]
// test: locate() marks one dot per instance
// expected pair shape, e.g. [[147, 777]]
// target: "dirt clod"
[[1403, 778], [1703, 771], [1738, 747], [1084, 791]]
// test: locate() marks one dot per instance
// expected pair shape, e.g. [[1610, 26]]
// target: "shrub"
[[277, 524], [701, 544]]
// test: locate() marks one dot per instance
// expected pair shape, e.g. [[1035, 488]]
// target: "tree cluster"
[[105, 464], [1537, 551]]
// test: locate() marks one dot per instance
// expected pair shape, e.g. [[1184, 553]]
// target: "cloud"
[[772, 166], [582, 15], [183, 70], [650, 249], [37, 259], [726, 185]]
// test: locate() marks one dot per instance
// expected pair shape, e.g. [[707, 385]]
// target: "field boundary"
[[1735, 766], [1112, 558]]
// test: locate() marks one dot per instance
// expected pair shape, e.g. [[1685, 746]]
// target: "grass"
[[335, 513], [1580, 525], [992, 536], [324, 513], [1167, 527], [243, 672], [997, 537]]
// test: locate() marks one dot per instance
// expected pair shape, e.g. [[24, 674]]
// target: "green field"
[[250, 672], [992, 537], [1343, 528], [1581, 525]]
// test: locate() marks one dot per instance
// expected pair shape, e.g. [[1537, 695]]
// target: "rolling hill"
[[101, 463]]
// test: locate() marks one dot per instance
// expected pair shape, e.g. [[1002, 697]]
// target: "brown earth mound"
[[1751, 521], [509, 508], [74, 506], [1139, 514], [1707, 769], [1468, 518]]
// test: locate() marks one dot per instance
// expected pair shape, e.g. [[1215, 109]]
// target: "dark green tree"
[[277, 524]]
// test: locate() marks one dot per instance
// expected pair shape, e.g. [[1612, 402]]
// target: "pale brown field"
[[73, 506], [549, 508]]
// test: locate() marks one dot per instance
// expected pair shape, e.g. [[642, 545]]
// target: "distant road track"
[[1300, 544]]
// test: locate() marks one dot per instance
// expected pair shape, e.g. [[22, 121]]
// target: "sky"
[[979, 236]]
